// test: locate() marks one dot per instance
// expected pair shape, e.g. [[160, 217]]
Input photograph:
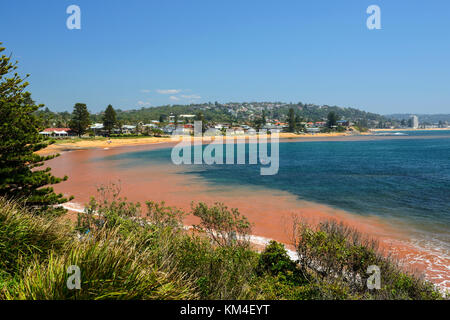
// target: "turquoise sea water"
[[405, 180]]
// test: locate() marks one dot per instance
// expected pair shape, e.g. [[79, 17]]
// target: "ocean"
[[400, 178]]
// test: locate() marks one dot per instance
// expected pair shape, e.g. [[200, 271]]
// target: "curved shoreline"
[[101, 143], [270, 210], [65, 146]]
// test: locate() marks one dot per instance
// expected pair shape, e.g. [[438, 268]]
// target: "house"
[[272, 127], [169, 129], [212, 132], [128, 129], [188, 129], [98, 126], [343, 123], [147, 128], [57, 132], [97, 129], [313, 130], [321, 123], [180, 130], [219, 126], [150, 125], [187, 116], [238, 131]]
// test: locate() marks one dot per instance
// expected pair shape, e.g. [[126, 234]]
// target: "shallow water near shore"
[[395, 190]]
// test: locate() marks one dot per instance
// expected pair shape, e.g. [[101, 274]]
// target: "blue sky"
[[148, 53]]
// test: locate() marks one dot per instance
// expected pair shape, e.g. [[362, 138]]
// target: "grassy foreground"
[[123, 256]]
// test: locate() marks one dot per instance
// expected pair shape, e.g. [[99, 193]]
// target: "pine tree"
[[109, 119], [263, 118], [80, 119], [298, 123], [19, 140], [291, 120], [332, 119]]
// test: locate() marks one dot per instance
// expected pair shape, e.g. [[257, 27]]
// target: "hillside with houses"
[[238, 117]]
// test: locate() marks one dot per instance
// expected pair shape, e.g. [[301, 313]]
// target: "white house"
[[128, 129], [56, 132], [313, 130]]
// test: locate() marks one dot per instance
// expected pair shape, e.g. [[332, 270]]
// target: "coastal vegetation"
[[128, 251]]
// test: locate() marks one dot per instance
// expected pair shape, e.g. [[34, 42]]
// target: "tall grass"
[[35, 253], [25, 237], [125, 251], [111, 268]]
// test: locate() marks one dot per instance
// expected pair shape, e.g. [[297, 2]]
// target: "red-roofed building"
[[57, 132]]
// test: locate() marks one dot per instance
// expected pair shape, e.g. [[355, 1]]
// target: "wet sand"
[[77, 144], [66, 145], [270, 211]]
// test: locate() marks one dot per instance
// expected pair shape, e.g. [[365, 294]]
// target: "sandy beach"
[[101, 143]]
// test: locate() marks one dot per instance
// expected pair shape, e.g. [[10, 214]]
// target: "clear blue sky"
[[138, 53]]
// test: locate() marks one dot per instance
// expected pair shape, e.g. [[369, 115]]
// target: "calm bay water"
[[404, 180]]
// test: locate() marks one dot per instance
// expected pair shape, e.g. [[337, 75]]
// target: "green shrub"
[[225, 227], [219, 272], [334, 252], [275, 261], [161, 215], [110, 212]]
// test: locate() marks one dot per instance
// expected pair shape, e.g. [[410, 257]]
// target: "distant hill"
[[317, 113], [429, 118], [237, 112], [232, 112]]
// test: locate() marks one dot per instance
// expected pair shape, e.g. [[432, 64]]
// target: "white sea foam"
[[432, 256], [390, 134], [73, 206]]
